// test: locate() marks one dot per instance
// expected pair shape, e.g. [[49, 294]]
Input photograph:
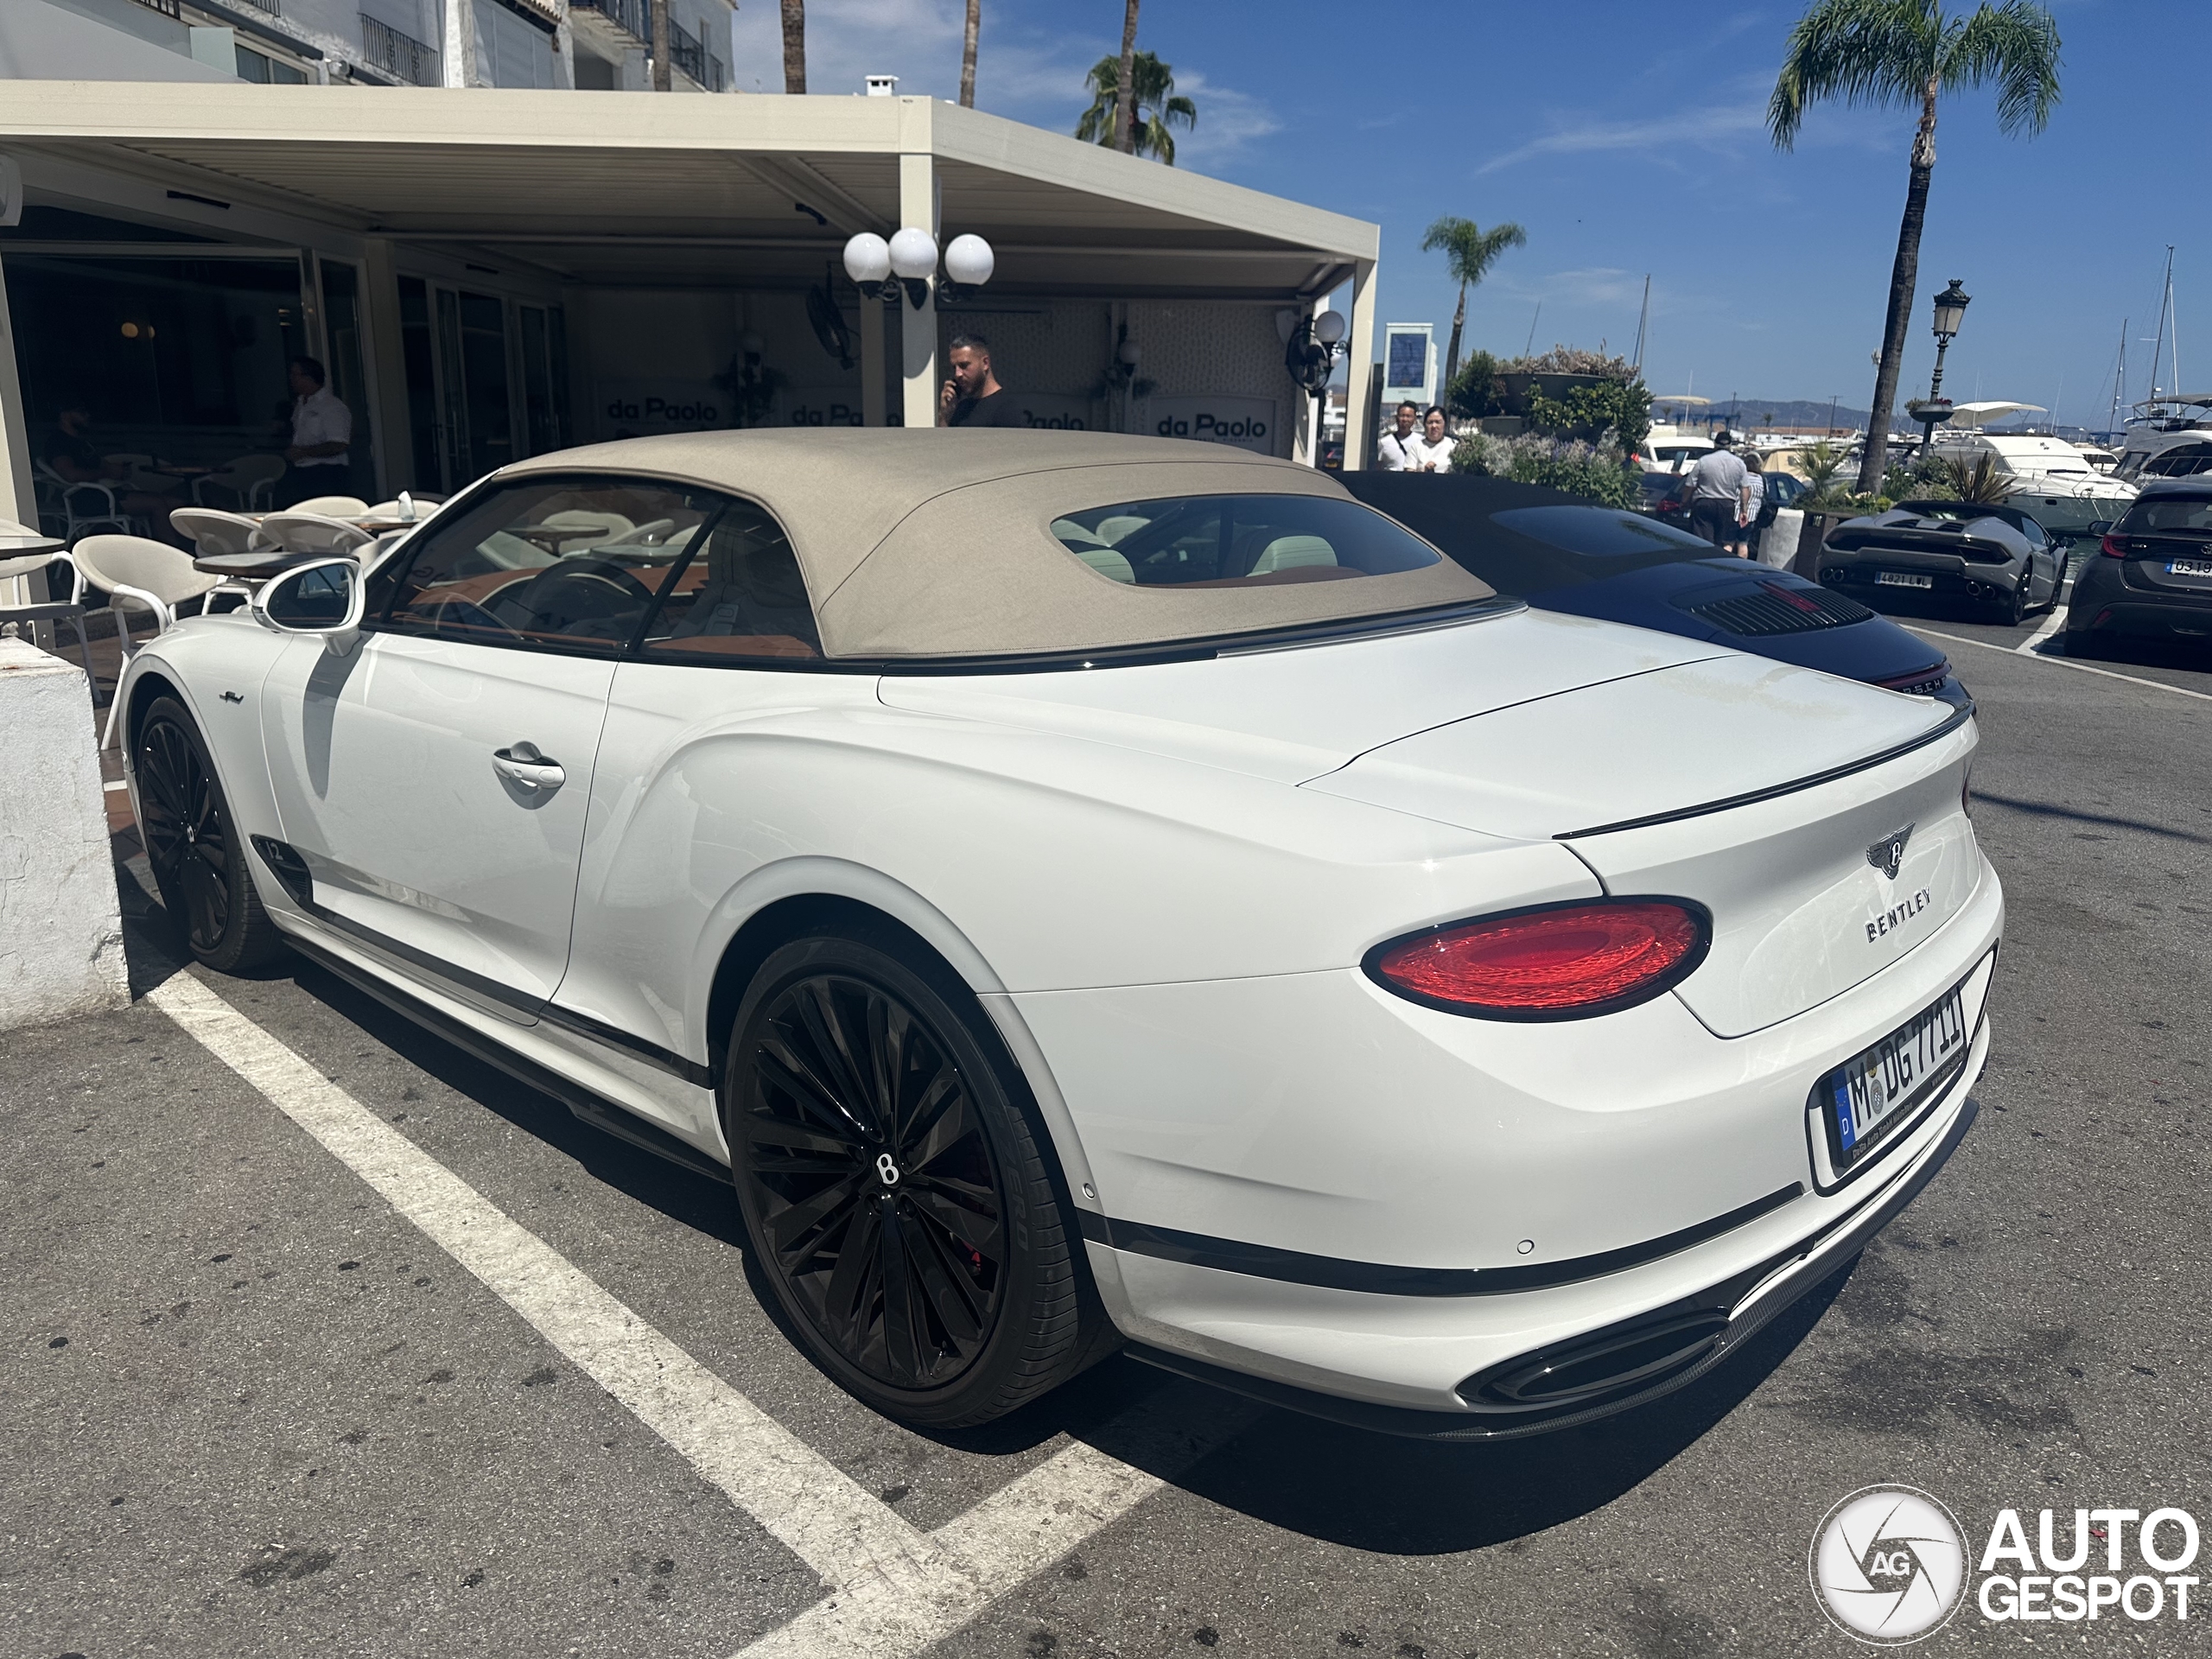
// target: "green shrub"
[[1599, 474], [1613, 411], [1475, 391]]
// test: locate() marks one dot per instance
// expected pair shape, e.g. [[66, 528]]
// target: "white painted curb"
[[61, 929]]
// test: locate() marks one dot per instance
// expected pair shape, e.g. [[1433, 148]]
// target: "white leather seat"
[[1292, 553], [1106, 562], [1111, 531]]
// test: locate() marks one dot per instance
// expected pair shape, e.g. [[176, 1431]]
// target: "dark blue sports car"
[[1566, 553]]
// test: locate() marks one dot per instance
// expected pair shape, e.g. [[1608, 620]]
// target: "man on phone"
[[973, 397]]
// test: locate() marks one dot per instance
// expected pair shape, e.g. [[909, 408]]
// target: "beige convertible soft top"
[[939, 543]]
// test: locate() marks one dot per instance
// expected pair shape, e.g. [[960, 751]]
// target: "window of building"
[[261, 67]]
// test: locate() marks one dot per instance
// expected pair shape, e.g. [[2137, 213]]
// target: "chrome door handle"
[[522, 764]]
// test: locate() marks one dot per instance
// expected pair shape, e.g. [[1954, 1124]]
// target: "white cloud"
[[1707, 129]]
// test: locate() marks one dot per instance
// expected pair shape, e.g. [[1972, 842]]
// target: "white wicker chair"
[[145, 574]]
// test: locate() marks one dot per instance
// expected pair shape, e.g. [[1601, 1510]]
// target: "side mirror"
[[2098, 527], [324, 599]]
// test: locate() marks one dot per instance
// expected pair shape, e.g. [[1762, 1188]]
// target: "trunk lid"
[[1762, 791], [1290, 715]]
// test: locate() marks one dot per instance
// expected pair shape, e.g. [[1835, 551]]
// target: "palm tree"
[[657, 26], [1895, 54], [968, 55], [1125, 115], [795, 45], [1157, 108], [1470, 251]]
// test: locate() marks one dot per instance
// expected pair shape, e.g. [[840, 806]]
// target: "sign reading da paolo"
[[1242, 422]]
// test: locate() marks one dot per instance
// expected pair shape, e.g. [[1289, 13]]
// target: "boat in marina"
[[2169, 437], [2054, 483]]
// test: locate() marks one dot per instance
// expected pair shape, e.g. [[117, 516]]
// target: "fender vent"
[[285, 863]]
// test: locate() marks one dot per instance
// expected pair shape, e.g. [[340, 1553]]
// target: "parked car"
[[2152, 577], [1995, 557], [1566, 554], [1085, 888]]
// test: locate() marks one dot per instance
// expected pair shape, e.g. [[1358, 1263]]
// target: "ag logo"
[[1889, 1564], [1888, 853]]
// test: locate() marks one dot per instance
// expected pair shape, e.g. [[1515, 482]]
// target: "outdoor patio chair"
[[146, 574], [333, 507], [19, 608], [212, 531], [301, 531], [80, 506], [248, 481]]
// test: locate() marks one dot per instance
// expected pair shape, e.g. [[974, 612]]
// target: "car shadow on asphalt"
[[1344, 1485]]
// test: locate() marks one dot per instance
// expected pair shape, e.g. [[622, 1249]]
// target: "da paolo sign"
[[636, 408], [1242, 422], [817, 406]]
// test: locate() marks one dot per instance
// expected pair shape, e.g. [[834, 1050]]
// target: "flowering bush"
[[1600, 474]]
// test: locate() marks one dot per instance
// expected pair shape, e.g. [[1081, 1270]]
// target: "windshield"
[[1602, 532], [1240, 541], [2184, 513]]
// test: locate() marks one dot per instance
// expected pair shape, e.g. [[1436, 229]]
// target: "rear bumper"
[[1654, 1353], [1598, 1171], [2110, 607], [1964, 579]]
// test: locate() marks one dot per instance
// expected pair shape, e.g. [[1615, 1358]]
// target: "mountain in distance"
[[1757, 414]]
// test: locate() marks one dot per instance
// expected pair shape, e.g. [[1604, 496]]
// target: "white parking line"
[[2062, 661], [2051, 624], [893, 1590]]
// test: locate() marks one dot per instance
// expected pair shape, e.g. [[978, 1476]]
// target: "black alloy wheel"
[[893, 1188], [199, 859], [2013, 609]]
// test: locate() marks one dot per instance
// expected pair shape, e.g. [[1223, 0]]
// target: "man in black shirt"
[[973, 397]]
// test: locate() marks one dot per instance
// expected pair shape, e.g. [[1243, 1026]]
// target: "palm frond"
[[1978, 482], [2014, 44], [1470, 251], [1879, 54]]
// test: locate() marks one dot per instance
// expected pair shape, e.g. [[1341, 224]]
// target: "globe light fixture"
[[1329, 328], [969, 261], [867, 262], [1127, 354], [1310, 354]]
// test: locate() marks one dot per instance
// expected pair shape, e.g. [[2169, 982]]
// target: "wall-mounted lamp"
[[1310, 354], [908, 261]]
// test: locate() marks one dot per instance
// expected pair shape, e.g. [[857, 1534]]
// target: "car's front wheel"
[[198, 856], [896, 1190]]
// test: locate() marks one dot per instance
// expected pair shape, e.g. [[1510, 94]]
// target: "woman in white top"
[[1432, 451], [1750, 502]]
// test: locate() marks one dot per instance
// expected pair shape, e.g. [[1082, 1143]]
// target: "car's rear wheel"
[[199, 858], [2012, 608], [896, 1189]]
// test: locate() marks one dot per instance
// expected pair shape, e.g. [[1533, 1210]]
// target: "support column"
[[872, 367], [392, 426], [1359, 345], [918, 327], [18, 492], [457, 63]]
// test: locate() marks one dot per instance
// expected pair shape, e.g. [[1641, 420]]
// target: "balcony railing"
[[399, 55], [685, 50], [269, 6], [633, 16], [167, 7]]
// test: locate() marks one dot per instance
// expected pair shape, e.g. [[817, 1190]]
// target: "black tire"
[[199, 858], [897, 1188], [2013, 609]]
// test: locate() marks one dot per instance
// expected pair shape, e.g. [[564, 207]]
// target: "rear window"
[[2169, 512], [1239, 541], [1603, 533]]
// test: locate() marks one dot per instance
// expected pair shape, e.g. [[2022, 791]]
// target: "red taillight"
[[1558, 961], [2114, 547]]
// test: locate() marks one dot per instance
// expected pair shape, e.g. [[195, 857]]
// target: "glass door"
[[460, 390]]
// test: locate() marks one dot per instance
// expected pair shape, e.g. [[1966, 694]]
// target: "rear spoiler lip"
[[1958, 718], [1843, 539]]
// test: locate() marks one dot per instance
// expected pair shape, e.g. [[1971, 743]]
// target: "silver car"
[[1995, 557]]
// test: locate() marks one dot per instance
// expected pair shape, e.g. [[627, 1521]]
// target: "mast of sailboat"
[[1642, 318], [2157, 343], [2119, 380]]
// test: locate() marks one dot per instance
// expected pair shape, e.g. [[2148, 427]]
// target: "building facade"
[[592, 44]]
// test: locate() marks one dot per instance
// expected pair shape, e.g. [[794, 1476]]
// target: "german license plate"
[[1902, 579], [1872, 1092], [2190, 567]]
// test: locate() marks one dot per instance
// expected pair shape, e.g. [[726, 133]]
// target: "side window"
[[557, 563], [739, 595]]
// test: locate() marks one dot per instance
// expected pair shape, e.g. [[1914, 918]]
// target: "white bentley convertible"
[[1089, 889]]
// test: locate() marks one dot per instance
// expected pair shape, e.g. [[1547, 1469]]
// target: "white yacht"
[[2054, 483], [2169, 437]]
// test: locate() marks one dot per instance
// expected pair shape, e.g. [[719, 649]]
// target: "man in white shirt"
[[1716, 493], [1394, 452], [1432, 451], [323, 435]]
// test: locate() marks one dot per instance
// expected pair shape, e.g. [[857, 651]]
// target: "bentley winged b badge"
[[1888, 853]]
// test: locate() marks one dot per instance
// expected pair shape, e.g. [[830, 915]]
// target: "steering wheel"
[[531, 596]]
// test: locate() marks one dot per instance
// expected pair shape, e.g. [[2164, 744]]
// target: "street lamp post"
[[1950, 310]]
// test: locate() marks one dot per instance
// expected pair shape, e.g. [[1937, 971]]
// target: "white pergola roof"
[[639, 189]]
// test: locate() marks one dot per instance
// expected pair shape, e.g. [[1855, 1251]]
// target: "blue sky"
[[1628, 138]]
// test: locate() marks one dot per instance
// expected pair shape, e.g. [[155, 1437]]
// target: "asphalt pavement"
[[371, 1350]]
